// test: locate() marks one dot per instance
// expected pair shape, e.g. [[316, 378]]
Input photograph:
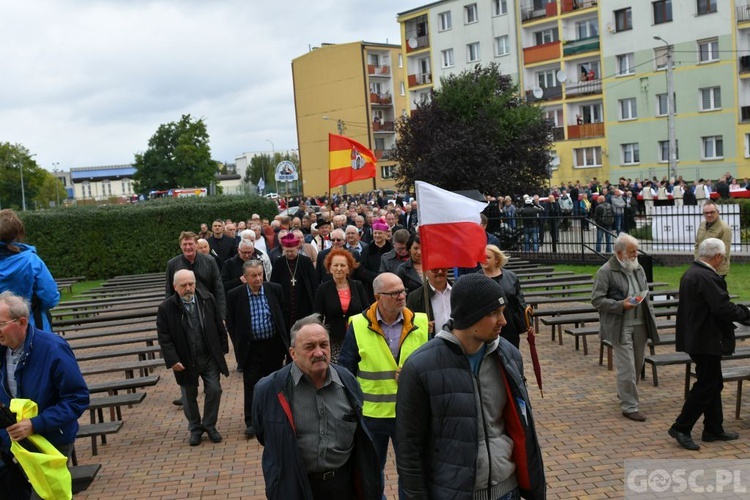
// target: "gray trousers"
[[628, 358], [209, 372]]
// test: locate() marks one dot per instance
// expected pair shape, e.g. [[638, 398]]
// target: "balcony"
[[381, 126], [420, 79], [581, 45], [382, 154], [417, 43], [378, 70], [743, 13], [548, 94], [382, 99], [577, 89], [745, 114], [558, 134], [585, 130], [744, 64], [574, 5], [533, 10], [543, 52]]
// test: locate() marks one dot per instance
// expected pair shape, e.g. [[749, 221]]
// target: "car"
[[292, 211], [273, 196]]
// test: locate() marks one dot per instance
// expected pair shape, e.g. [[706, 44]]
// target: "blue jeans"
[[381, 430], [618, 223], [530, 234], [599, 234]]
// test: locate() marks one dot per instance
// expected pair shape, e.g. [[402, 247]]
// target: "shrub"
[[107, 241]]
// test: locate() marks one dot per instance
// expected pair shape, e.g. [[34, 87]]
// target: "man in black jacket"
[[224, 246], [454, 440], [256, 325], [705, 330], [193, 343]]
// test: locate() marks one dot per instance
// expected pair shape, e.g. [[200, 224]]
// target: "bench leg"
[[739, 399], [577, 343], [585, 347], [559, 334], [610, 362], [653, 374], [601, 353], [73, 456]]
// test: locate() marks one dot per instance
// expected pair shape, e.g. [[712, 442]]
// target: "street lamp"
[[670, 111], [57, 181], [273, 156]]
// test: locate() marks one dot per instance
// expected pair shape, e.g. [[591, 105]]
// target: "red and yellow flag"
[[348, 161]]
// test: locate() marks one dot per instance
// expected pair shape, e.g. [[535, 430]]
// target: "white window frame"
[[630, 153], [715, 142], [447, 59], [502, 45], [712, 51], [747, 145], [499, 7], [470, 48], [660, 58], [387, 171], [403, 88], [628, 108], [589, 28], [591, 113], [445, 21], [400, 61], [545, 36], [629, 60], [664, 151], [712, 95], [595, 153], [471, 14], [546, 79]]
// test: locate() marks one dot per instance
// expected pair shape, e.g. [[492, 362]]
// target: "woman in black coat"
[[338, 299], [410, 271]]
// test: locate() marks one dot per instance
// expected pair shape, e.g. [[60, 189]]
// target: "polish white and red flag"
[[449, 230]]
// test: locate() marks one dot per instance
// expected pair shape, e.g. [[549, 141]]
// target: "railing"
[[417, 43], [744, 64], [585, 130], [583, 88], [548, 94], [743, 13], [581, 45], [573, 5], [384, 99], [542, 52], [420, 79], [378, 70], [378, 126], [558, 133]]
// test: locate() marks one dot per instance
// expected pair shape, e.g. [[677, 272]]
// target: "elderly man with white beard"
[[626, 318]]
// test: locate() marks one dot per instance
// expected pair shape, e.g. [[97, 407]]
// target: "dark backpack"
[[606, 215]]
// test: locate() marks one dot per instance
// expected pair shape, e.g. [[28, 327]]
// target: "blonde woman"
[[493, 268]]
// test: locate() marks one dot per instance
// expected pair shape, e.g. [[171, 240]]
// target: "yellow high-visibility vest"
[[376, 372]]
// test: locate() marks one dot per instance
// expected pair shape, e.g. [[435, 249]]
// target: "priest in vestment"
[[296, 275]]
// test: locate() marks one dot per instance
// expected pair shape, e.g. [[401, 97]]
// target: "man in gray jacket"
[[626, 318], [618, 207]]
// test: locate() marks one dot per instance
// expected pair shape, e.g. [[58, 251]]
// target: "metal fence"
[[573, 238]]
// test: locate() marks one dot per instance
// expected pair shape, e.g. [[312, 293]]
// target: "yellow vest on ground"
[[376, 372]]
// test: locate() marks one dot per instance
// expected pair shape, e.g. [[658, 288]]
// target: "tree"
[[178, 155], [262, 166], [12, 158], [476, 132], [51, 192]]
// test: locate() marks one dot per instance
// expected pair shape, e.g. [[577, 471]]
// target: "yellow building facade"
[[355, 90]]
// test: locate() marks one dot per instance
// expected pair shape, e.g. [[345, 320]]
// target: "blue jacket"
[[26, 275], [283, 469], [47, 374]]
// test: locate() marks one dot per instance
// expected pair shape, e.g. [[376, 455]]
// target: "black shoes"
[[195, 438], [177, 402], [635, 416], [249, 432], [684, 440], [214, 435], [724, 436]]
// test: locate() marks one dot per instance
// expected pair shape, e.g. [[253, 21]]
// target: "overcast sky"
[[88, 82]]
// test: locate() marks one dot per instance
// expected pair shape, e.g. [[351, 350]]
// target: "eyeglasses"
[[396, 294], [337, 239], [4, 323], [710, 213]]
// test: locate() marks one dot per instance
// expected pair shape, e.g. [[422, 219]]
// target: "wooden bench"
[[114, 403], [579, 320], [129, 384], [143, 352], [85, 335], [93, 431], [141, 313], [148, 339], [63, 330], [83, 476], [573, 293], [681, 358], [143, 367], [584, 332], [731, 374]]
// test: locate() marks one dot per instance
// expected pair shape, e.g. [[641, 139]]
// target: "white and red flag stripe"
[[449, 228]]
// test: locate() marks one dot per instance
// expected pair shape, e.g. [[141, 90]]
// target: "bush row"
[[102, 242]]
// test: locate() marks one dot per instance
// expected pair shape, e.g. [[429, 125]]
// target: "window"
[[373, 59], [444, 21], [625, 64], [708, 50], [546, 79], [400, 61], [747, 145], [387, 171], [472, 52], [661, 104], [587, 157], [86, 186], [710, 98], [376, 88], [470, 14], [447, 58], [554, 116], [628, 109], [591, 113], [587, 29], [499, 7], [380, 144], [623, 20], [713, 147], [502, 45], [403, 88], [662, 11], [589, 71], [630, 153], [545, 36], [706, 7], [664, 151], [660, 58]]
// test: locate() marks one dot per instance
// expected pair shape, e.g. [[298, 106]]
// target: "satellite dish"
[[412, 43], [610, 28], [538, 92], [561, 76], [555, 161]]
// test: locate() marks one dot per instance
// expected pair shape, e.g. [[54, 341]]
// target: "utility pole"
[[672, 172], [57, 182], [273, 156]]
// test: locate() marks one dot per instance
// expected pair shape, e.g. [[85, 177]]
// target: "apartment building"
[[354, 89]]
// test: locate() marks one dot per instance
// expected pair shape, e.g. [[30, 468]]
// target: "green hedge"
[[102, 242]]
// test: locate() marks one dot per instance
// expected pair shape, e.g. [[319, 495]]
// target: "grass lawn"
[[78, 288], [737, 282]]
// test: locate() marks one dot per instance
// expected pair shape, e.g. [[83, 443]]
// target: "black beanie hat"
[[474, 296]]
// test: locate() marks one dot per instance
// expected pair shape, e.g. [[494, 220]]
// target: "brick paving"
[[583, 436]]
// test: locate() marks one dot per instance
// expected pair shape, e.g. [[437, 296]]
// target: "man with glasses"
[[714, 227], [398, 255], [231, 272], [376, 345]]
